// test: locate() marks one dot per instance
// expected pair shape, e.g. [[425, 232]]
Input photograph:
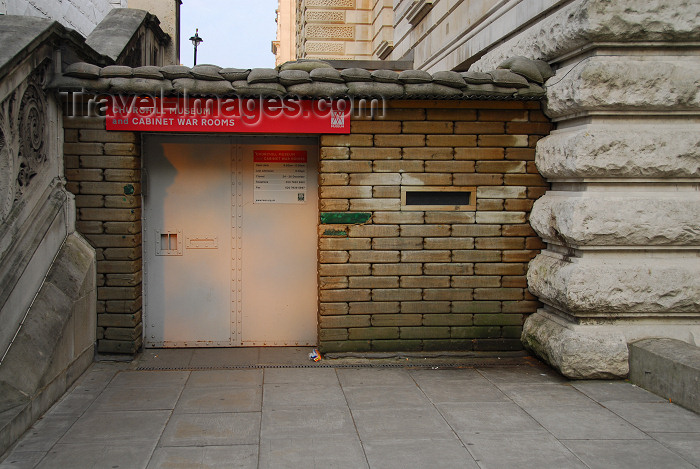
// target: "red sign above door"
[[235, 115]]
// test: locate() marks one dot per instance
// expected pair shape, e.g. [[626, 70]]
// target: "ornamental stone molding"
[[346, 4], [23, 136], [329, 32], [325, 16], [313, 47]]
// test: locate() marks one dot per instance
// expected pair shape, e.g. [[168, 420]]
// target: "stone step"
[[669, 368]]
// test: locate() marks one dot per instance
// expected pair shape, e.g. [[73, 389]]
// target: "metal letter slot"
[[201, 242], [169, 243]]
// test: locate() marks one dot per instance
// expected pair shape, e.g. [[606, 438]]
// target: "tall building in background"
[[168, 12], [343, 29], [284, 47]]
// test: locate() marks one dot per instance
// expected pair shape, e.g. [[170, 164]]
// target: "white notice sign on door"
[[280, 176]]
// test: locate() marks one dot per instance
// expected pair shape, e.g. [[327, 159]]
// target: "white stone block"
[[578, 352], [583, 22], [626, 150], [612, 285], [624, 83], [617, 219]]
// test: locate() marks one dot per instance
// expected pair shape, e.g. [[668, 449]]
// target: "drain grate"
[[470, 364]]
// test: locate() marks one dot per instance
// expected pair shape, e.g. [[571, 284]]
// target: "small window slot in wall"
[[169, 243], [438, 198]]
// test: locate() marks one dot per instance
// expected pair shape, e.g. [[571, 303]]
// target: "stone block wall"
[[393, 279], [621, 218], [103, 170]]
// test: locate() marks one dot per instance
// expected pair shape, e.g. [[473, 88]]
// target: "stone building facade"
[[48, 290], [620, 220], [79, 15], [341, 29]]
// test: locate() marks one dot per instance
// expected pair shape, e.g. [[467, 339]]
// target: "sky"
[[236, 33]]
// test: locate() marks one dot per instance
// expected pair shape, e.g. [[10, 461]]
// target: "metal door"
[[279, 244], [220, 267]]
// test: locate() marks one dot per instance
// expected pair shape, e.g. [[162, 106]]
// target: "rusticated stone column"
[[622, 218]]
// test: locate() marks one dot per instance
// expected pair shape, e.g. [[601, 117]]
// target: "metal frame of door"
[[235, 244]]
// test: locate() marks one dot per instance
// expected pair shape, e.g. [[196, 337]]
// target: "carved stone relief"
[[23, 139], [325, 47], [330, 3], [325, 16], [330, 32]]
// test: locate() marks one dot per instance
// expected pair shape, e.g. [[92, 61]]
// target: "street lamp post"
[[196, 41]]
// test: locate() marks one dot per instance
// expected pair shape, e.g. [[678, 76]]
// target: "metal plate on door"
[[202, 242], [169, 243]]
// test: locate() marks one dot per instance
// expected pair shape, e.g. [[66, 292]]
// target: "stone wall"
[[393, 279], [47, 270], [103, 170], [334, 29], [621, 220], [81, 15], [451, 35]]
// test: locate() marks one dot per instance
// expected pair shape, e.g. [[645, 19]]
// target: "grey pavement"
[[272, 408]]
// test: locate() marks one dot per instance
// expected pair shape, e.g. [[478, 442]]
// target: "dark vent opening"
[[438, 198]]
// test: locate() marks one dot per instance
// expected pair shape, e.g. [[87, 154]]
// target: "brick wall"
[[429, 280], [389, 279], [103, 170]]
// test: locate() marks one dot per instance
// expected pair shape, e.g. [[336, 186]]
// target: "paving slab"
[[214, 429], [374, 377], [280, 395], [412, 423], [235, 378], [294, 422], [542, 395], [421, 376], [625, 454], [138, 379], [215, 457], [685, 445], [22, 459], [584, 422], [91, 455], [312, 451], [458, 391], [657, 416], [385, 397], [488, 417], [137, 398], [423, 452], [117, 427], [46, 432], [312, 376], [219, 399], [529, 450], [534, 374], [605, 391]]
